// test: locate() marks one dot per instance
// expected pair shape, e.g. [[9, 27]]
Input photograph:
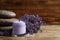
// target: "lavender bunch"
[[33, 23]]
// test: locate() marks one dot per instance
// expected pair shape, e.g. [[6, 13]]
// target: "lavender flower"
[[33, 23]]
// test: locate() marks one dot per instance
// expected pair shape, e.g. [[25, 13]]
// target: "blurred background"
[[49, 10]]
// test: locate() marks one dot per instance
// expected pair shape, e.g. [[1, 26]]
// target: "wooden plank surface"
[[50, 32], [44, 8]]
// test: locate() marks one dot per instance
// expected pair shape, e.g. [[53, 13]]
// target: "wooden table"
[[50, 32]]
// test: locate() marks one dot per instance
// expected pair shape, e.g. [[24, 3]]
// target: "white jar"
[[19, 27]]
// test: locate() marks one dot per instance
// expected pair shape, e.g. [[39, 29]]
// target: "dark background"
[[49, 10]]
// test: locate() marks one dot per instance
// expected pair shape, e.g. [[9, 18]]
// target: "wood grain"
[[50, 32], [44, 8]]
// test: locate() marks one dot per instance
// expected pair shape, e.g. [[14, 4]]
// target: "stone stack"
[[6, 20]]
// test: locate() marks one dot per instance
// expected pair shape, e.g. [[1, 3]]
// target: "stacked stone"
[[6, 20]]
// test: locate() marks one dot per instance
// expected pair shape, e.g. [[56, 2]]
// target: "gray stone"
[[7, 22], [7, 14], [6, 28]]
